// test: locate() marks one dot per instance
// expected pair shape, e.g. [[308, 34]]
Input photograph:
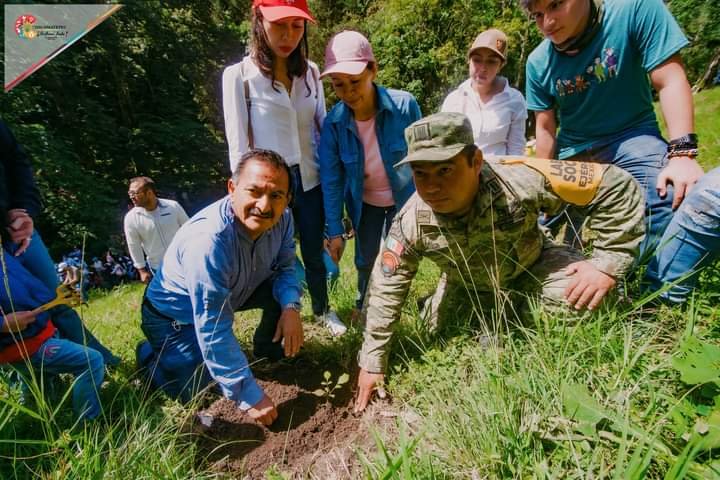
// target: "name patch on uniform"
[[574, 182], [423, 216]]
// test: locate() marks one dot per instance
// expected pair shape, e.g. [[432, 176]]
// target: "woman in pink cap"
[[273, 99], [496, 111], [362, 140]]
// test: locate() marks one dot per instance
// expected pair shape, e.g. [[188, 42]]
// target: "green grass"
[[707, 123], [599, 398]]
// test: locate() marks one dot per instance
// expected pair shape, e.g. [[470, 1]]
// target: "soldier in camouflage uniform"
[[478, 221]]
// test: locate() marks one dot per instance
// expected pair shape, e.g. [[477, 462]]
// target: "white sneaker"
[[333, 323]]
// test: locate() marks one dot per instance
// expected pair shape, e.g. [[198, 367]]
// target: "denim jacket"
[[342, 157]]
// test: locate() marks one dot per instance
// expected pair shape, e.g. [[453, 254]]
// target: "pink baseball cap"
[[275, 10], [347, 52]]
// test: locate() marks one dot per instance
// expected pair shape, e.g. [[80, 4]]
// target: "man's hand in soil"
[[683, 173], [367, 383], [588, 286], [17, 321], [290, 329], [264, 411], [145, 276], [20, 227]]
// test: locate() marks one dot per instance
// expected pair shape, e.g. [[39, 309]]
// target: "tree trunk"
[[705, 80]]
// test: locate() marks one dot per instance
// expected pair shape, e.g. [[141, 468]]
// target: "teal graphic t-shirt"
[[604, 90]]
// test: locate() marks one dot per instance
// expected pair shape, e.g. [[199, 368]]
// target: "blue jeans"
[[643, 155], [691, 240], [36, 259], [70, 327], [172, 354], [374, 225], [309, 214], [57, 356]]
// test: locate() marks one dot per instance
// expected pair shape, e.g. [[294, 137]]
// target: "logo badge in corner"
[[25, 27]]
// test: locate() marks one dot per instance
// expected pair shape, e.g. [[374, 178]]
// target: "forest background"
[[140, 94]]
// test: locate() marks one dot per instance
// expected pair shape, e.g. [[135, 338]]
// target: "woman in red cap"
[[273, 99]]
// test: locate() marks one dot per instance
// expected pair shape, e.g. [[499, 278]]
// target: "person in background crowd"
[[362, 140], [273, 99], [591, 74], [236, 254], [19, 203], [150, 226], [496, 111]]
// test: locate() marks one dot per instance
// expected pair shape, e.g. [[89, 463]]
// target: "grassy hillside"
[[631, 392]]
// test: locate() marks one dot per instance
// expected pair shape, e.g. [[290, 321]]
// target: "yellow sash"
[[574, 182]]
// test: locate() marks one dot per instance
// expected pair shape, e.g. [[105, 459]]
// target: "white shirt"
[[287, 124], [498, 125], [152, 231]]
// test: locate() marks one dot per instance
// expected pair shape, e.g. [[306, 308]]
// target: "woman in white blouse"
[[273, 99], [496, 111]]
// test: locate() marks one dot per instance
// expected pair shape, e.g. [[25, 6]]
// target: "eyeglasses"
[[135, 193]]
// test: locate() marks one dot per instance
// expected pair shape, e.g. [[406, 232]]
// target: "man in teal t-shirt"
[[595, 70]]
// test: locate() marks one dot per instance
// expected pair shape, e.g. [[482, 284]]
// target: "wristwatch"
[[689, 139], [297, 306]]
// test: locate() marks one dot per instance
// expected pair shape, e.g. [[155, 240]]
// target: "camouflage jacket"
[[500, 237]]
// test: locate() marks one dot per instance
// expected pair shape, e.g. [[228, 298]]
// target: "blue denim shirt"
[[25, 293], [342, 157], [210, 270]]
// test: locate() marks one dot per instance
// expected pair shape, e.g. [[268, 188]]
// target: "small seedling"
[[328, 390]]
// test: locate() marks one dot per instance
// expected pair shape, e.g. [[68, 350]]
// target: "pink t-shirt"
[[376, 185]]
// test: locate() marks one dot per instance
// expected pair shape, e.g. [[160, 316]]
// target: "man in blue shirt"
[[236, 254], [592, 78]]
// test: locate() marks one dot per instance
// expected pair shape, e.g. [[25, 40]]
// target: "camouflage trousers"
[[545, 282]]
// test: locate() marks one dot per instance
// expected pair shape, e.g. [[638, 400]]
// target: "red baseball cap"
[[275, 10]]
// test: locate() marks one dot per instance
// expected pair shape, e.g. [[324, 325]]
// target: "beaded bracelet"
[[685, 152]]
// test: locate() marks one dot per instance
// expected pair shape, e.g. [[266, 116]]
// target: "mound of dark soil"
[[307, 427]]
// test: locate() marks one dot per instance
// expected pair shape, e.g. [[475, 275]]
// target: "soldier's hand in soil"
[[290, 329], [264, 411], [367, 384], [683, 173], [588, 285], [335, 247], [16, 321]]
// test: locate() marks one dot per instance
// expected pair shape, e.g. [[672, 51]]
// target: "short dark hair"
[[262, 54], [145, 182], [266, 156], [469, 152]]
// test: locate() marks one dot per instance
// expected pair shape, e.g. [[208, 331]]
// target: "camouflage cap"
[[437, 138]]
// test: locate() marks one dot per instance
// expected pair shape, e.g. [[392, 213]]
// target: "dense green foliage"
[[700, 20], [140, 94], [137, 96]]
